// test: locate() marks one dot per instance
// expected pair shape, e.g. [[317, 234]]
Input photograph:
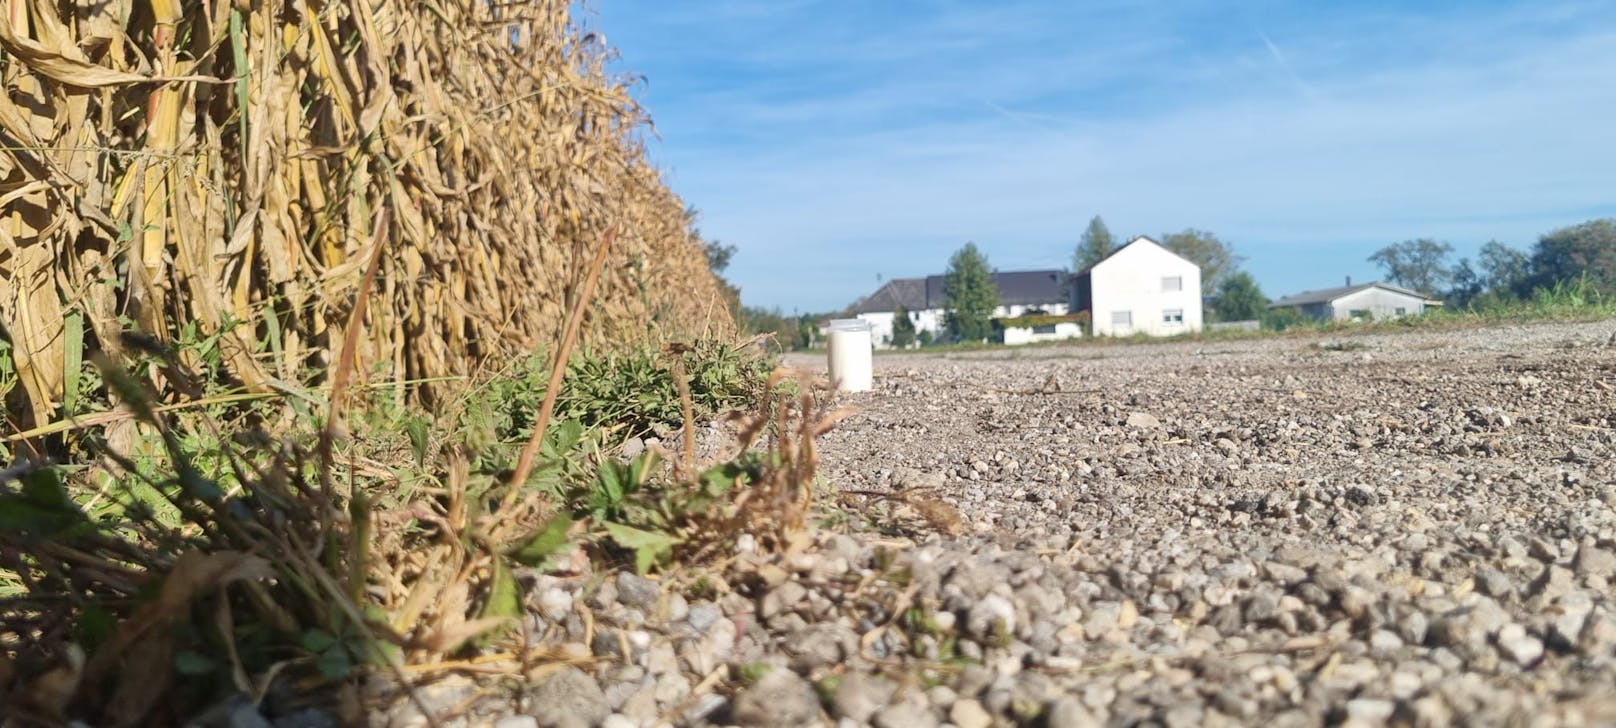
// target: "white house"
[[1374, 300], [1020, 293], [1140, 288]]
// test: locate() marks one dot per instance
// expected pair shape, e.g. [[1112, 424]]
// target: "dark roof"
[[909, 293], [1030, 287], [1330, 294], [1016, 288]]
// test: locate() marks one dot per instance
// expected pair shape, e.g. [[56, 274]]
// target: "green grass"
[[398, 548]]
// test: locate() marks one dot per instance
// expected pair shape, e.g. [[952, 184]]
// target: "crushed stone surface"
[[1393, 529]]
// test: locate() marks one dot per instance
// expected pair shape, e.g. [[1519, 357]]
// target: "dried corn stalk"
[[221, 162]]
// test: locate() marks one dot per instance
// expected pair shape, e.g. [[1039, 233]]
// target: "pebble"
[[860, 695], [567, 698], [905, 714], [968, 713], [780, 699], [636, 591]]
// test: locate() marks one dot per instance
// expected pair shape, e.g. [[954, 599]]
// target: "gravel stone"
[[1069, 713], [568, 698], [636, 591], [906, 714], [860, 695], [968, 713], [780, 699]]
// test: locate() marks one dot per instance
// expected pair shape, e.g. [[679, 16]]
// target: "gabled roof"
[[1016, 288], [1330, 294], [910, 293], [1125, 246]]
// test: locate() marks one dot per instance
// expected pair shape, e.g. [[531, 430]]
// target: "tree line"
[[1585, 253], [1499, 273]]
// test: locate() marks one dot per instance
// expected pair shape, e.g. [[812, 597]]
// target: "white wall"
[[881, 325], [1379, 302], [880, 328], [1016, 335], [1131, 281]]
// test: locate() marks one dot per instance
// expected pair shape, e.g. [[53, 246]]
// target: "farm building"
[[1140, 288], [1020, 293], [1366, 301]]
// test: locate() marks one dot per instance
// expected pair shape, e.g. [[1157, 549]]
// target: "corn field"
[[223, 165]]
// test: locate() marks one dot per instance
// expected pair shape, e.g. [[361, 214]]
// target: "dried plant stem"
[[345, 365], [558, 370], [687, 410]]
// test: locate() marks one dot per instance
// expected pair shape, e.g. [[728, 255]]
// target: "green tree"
[[1421, 265], [1468, 285], [903, 329], [1095, 244], [1240, 299], [1499, 273], [972, 295], [1585, 251], [1215, 257]]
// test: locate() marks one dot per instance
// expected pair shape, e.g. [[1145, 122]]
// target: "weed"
[[752, 672]]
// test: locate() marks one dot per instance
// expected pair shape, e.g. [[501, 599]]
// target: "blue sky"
[[834, 141]]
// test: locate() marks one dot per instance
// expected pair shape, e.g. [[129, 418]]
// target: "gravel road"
[[1411, 529]]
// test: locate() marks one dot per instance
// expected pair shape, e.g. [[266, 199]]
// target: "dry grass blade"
[[558, 370]]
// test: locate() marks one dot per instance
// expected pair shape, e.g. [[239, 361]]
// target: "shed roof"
[[1326, 295]]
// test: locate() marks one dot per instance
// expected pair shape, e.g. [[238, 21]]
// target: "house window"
[[1172, 283], [1044, 329], [1358, 313], [1401, 310], [1173, 316], [1122, 319]]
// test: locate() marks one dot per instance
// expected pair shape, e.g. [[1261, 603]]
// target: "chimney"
[[1349, 281]]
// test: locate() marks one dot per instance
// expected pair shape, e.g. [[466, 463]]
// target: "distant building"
[[1366, 301], [1020, 293], [1140, 288]]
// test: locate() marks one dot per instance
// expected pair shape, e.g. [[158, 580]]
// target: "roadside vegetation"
[[224, 545], [320, 337]]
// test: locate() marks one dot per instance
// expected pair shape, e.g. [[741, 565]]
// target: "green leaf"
[[94, 627], [416, 428], [648, 546], [318, 640], [548, 541], [504, 597], [641, 467], [44, 488], [72, 360], [334, 664]]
